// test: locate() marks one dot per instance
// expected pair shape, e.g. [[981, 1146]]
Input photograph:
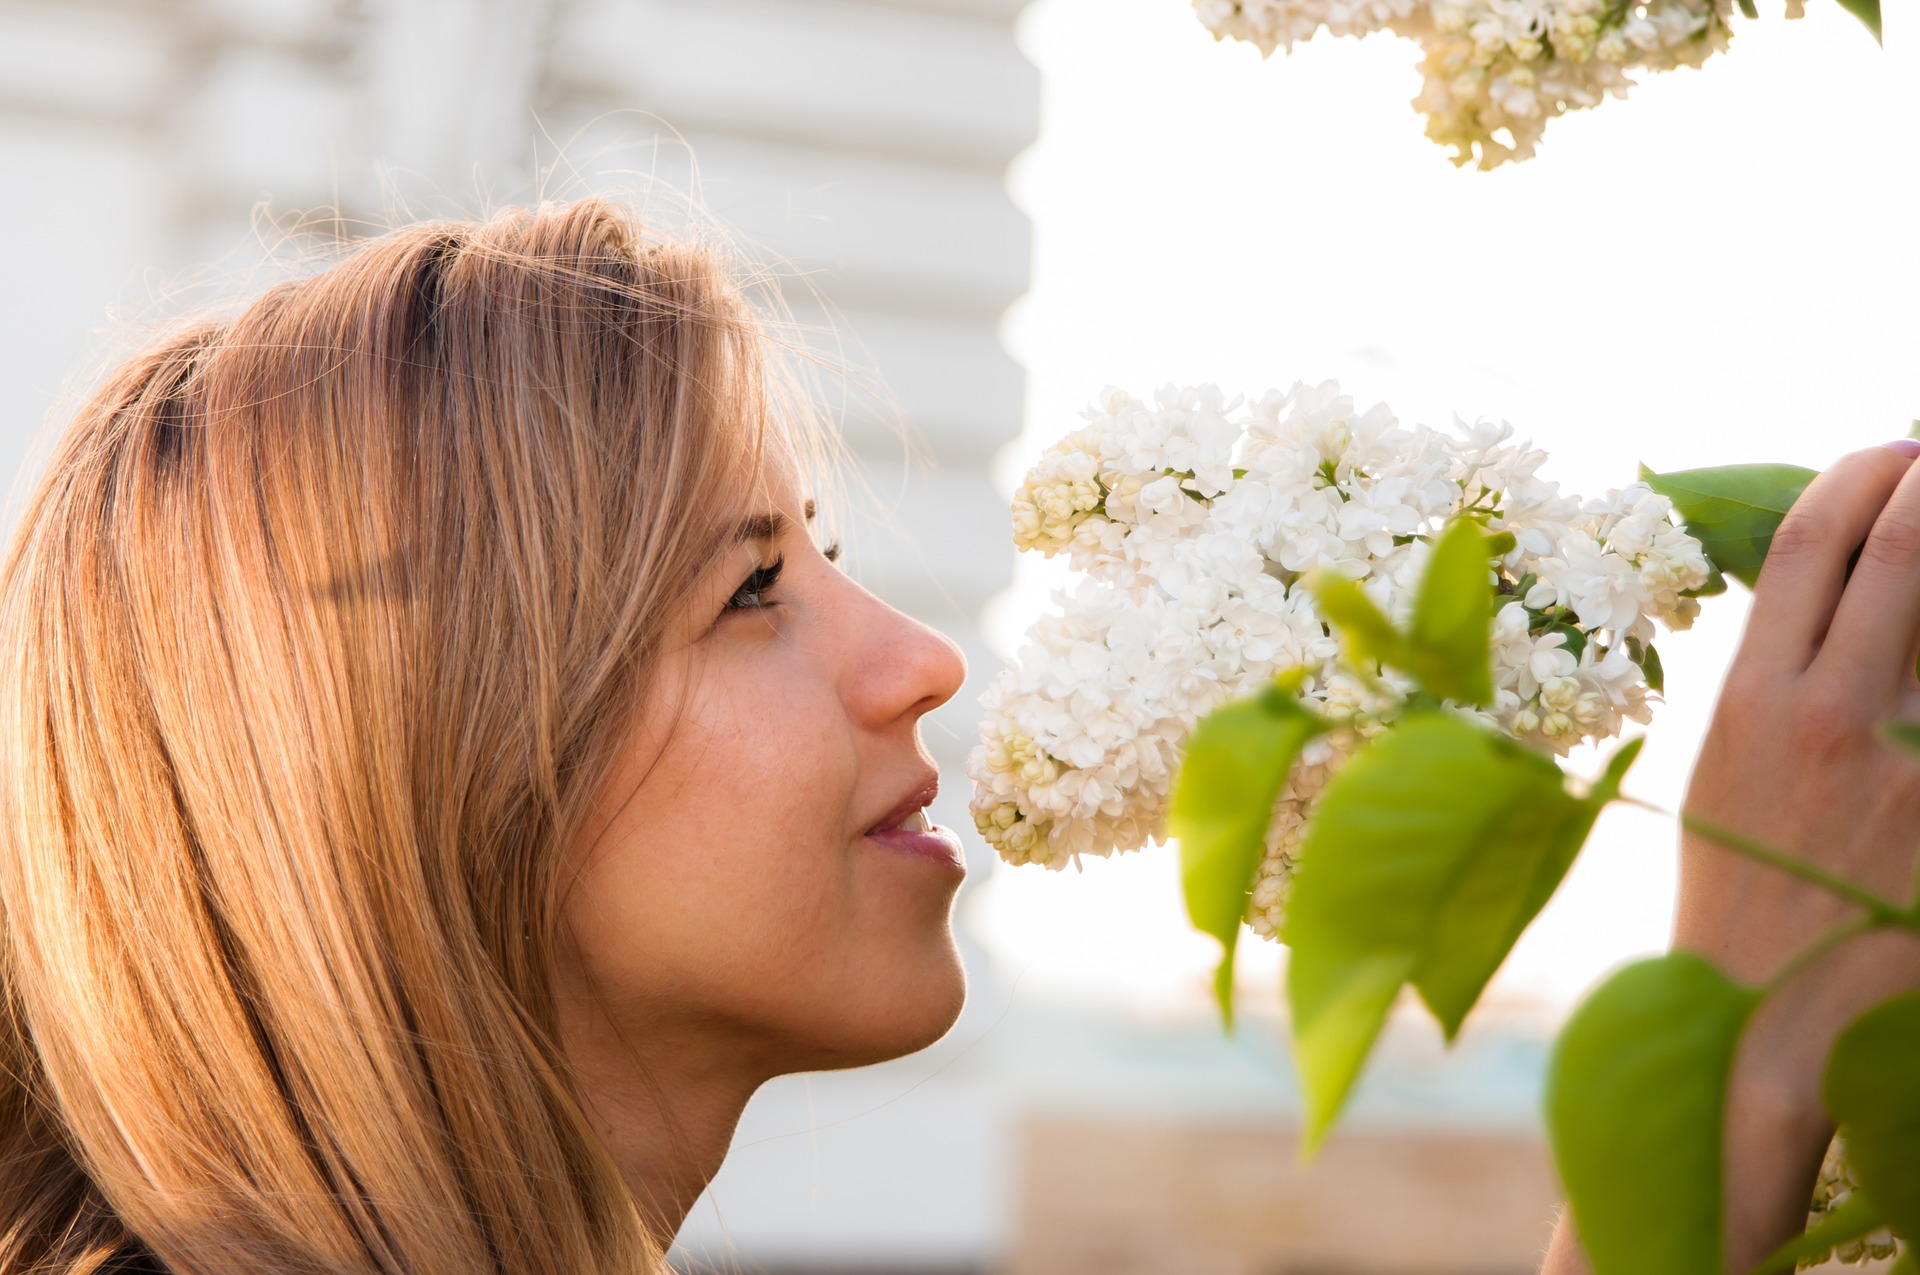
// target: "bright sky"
[[1721, 268]]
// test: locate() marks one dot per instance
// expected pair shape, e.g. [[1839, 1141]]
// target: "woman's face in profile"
[[756, 877]]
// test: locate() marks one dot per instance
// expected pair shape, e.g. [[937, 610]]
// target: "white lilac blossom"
[[1830, 1190], [1495, 71], [1193, 521]]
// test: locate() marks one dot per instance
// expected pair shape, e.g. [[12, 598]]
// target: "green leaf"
[[1576, 638], [1715, 586], [1868, 11], [1235, 764], [1428, 854], [1367, 636], [1733, 510], [1902, 735], [1872, 1091], [1854, 1218], [1907, 1265], [1644, 654], [1747, 7], [1635, 1100], [1606, 789], [1453, 617], [1446, 649]]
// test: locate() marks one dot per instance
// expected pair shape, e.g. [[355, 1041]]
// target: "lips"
[[913, 805], [906, 829]]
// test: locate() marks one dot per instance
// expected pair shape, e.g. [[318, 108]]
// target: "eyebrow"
[[766, 526]]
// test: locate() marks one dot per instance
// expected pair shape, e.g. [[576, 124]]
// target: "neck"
[[667, 1126]]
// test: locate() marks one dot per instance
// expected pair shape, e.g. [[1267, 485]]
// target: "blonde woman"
[[442, 775]]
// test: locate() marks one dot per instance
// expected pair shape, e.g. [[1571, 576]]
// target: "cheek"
[[731, 841], [731, 888]]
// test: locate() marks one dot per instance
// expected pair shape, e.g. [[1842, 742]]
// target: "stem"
[[1881, 911], [1812, 951]]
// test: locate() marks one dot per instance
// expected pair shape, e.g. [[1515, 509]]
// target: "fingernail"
[[1908, 447]]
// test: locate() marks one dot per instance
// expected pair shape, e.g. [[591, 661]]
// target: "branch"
[[1881, 910]]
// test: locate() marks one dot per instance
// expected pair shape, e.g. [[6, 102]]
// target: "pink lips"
[[920, 837], [936, 843]]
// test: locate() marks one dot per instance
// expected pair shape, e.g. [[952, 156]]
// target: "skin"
[[1792, 759], [729, 919]]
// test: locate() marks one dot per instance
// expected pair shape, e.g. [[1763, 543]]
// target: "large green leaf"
[[1428, 854], [1854, 1218], [1872, 1091], [1636, 1095], [1235, 764], [1503, 879], [1453, 616], [1733, 510]]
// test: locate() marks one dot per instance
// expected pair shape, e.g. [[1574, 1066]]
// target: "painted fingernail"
[[1908, 447]]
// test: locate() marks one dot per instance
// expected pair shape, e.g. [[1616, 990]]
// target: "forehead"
[[773, 495]]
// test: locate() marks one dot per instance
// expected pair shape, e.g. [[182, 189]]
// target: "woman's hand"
[[1793, 759]]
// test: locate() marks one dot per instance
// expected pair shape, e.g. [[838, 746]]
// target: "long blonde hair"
[[316, 636]]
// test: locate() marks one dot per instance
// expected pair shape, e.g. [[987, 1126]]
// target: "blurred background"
[[995, 208]]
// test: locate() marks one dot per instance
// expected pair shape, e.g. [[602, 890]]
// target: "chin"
[[942, 1006], [913, 1014]]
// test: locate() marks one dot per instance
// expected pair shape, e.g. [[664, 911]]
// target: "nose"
[[903, 668]]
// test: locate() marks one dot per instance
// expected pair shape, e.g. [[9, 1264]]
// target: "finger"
[[1870, 642], [1800, 582]]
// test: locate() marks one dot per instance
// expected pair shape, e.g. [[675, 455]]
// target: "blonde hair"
[[317, 634]]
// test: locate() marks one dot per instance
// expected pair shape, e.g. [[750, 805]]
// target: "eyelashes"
[[753, 591]]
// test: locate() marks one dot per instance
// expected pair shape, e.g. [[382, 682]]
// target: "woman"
[[443, 776], [1793, 758]]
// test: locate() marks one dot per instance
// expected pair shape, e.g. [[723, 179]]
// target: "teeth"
[[916, 822]]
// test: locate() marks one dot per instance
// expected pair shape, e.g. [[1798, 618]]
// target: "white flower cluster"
[[1194, 521], [1830, 1190], [1496, 71]]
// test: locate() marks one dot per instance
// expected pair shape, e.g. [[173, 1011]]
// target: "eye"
[[832, 552], [752, 593]]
